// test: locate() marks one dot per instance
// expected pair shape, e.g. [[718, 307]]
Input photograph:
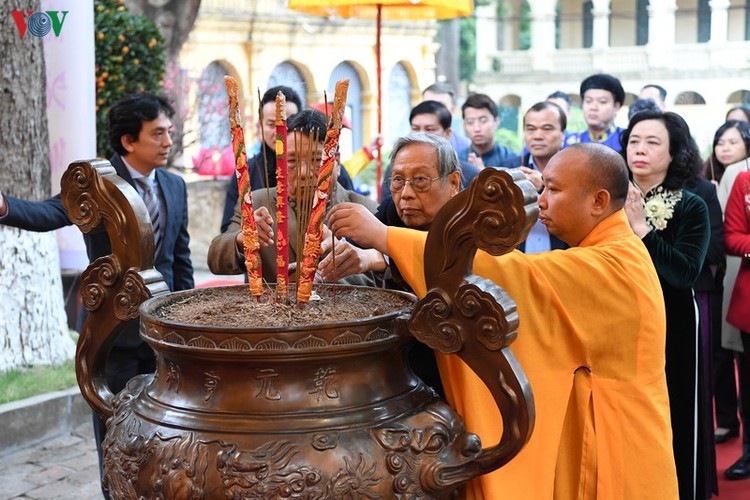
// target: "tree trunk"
[[33, 327], [175, 19]]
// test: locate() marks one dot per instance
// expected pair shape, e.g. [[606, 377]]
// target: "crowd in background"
[[693, 216], [702, 264], [679, 217]]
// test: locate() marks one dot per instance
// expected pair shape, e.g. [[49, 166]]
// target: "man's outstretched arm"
[[39, 216]]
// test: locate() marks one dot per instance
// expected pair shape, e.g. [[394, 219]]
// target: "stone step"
[[32, 420]]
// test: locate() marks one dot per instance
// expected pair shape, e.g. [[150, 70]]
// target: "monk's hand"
[[534, 177], [634, 211], [264, 223], [354, 222], [476, 161], [3, 206]]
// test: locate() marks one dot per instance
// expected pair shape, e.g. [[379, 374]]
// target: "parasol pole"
[[379, 171]]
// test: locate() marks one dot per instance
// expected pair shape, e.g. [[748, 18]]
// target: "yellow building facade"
[[698, 50], [261, 43]]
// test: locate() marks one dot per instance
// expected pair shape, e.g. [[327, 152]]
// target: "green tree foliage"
[[129, 58], [511, 139], [576, 121], [524, 26], [467, 57]]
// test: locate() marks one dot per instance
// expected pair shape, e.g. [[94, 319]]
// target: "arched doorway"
[[353, 100], [213, 115], [288, 74], [398, 103], [214, 137], [739, 97], [689, 97], [508, 111]]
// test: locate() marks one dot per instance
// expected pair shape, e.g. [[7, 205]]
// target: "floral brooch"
[[659, 206]]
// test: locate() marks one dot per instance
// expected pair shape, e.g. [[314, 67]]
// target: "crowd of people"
[[633, 286]]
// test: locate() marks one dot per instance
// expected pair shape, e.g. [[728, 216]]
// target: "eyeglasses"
[[419, 184]]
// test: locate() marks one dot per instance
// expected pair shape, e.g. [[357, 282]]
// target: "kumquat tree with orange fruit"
[[129, 58]]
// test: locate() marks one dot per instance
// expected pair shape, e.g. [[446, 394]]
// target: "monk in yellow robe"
[[591, 341]]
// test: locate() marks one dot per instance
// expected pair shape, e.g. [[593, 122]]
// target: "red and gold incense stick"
[[249, 230], [282, 207], [313, 237]]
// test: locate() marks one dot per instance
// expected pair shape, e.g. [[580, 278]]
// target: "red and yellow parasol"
[[388, 10]]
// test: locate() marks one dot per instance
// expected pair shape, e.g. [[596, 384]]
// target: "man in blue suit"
[[139, 128]]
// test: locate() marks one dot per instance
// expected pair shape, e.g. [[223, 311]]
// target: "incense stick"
[[250, 237], [311, 253], [332, 201], [263, 149], [282, 198]]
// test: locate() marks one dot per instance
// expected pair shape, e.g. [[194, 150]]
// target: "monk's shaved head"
[[606, 170], [583, 185]]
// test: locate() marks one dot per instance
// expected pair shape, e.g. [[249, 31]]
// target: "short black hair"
[[559, 94], [441, 88], [127, 115], [433, 108], [549, 105], [479, 101], [606, 82], [290, 94], [662, 90], [744, 129], [310, 122], [742, 108], [686, 161], [640, 105]]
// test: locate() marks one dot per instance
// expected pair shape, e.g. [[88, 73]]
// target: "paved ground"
[[64, 467]]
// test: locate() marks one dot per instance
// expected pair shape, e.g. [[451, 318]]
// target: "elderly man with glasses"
[[425, 174]]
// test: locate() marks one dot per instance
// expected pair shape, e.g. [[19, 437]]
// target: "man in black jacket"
[[432, 117], [264, 163]]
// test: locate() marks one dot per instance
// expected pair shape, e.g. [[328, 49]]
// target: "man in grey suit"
[[139, 132]]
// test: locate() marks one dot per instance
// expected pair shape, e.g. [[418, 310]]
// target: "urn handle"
[[473, 317], [112, 288]]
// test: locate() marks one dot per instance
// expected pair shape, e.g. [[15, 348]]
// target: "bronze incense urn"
[[329, 410]]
